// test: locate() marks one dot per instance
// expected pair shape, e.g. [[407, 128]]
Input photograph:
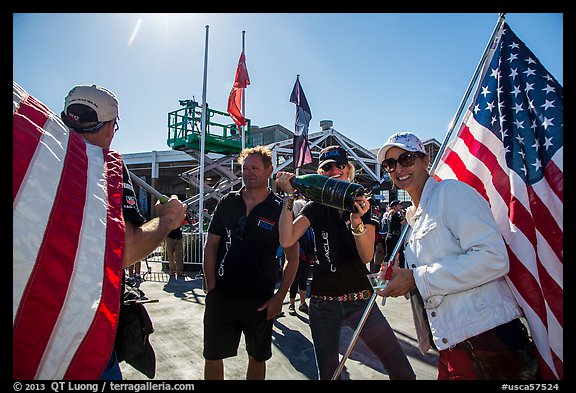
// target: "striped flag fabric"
[[241, 81], [67, 242], [510, 148], [300, 148]]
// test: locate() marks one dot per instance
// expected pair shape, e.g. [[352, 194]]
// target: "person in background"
[[240, 270], [380, 237], [175, 253], [340, 290], [134, 274], [307, 257], [396, 222], [456, 263]]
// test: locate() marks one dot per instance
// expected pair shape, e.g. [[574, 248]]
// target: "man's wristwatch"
[[359, 230]]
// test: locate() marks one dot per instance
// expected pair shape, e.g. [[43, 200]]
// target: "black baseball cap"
[[335, 154]]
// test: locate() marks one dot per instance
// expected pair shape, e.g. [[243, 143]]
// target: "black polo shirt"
[[246, 264], [340, 269]]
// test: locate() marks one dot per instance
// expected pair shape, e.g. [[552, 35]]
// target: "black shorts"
[[226, 318]]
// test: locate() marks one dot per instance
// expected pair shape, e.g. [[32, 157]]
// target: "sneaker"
[[304, 308], [291, 310], [183, 275]]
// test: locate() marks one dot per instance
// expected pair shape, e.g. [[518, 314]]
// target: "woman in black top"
[[340, 290]]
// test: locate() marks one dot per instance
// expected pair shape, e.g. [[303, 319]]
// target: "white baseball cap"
[[403, 140], [88, 107]]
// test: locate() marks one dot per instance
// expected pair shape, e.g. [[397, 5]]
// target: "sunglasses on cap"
[[327, 167], [406, 159]]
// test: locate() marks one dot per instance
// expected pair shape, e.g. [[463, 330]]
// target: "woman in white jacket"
[[456, 261]]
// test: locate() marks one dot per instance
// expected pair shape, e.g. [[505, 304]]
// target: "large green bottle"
[[328, 191]]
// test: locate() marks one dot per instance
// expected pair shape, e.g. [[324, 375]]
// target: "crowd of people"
[[451, 266]]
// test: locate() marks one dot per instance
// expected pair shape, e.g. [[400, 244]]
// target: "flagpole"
[[297, 172], [203, 148], [242, 128], [463, 102], [480, 66]]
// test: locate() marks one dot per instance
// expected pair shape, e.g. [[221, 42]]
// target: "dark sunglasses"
[[327, 167], [240, 227], [405, 159]]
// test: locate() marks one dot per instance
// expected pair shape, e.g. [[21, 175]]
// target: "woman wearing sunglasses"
[[456, 262], [340, 290]]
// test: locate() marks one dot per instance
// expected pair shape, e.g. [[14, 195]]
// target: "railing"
[[191, 252], [184, 129]]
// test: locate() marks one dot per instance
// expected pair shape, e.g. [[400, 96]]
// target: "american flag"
[[67, 242], [241, 81], [510, 148], [300, 149]]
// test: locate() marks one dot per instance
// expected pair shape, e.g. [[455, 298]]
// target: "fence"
[[192, 252]]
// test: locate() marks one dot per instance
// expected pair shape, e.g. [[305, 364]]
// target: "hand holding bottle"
[[284, 181], [362, 205]]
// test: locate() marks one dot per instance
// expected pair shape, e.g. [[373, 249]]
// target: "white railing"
[[192, 251]]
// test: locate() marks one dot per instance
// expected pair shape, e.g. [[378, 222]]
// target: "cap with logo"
[[88, 107], [335, 154], [403, 140]]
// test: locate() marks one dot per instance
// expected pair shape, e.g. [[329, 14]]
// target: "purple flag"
[[301, 150]]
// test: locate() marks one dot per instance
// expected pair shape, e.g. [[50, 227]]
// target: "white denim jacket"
[[459, 261]]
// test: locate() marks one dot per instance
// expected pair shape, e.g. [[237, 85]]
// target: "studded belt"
[[362, 295]]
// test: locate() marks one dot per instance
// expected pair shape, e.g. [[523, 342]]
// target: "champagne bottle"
[[328, 191]]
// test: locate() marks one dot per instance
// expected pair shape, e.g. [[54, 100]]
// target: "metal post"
[[433, 168], [203, 149]]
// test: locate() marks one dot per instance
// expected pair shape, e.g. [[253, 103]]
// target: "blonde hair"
[[264, 153]]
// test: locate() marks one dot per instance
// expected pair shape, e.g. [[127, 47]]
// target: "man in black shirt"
[[240, 270]]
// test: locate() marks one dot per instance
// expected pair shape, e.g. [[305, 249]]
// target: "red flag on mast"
[[241, 80]]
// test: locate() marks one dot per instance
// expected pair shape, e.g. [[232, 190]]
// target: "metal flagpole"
[[297, 172], [202, 151], [243, 92], [372, 300], [152, 191]]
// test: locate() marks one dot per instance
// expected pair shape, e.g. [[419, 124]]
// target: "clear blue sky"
[[372, 74]]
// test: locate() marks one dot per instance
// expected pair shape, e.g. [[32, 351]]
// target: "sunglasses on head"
[[406, 159], [327, 167]]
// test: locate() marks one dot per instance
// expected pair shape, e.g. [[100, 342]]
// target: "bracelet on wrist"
[[358, 230], [289, 203]]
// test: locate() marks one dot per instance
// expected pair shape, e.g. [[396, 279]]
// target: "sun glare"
[[135, 32], [163, 25]]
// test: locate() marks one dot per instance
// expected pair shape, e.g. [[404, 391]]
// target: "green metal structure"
[[185, 127]]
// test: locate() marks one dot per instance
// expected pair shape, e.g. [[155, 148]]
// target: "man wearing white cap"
[[92, 111], [456, 262], [76, 227]]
